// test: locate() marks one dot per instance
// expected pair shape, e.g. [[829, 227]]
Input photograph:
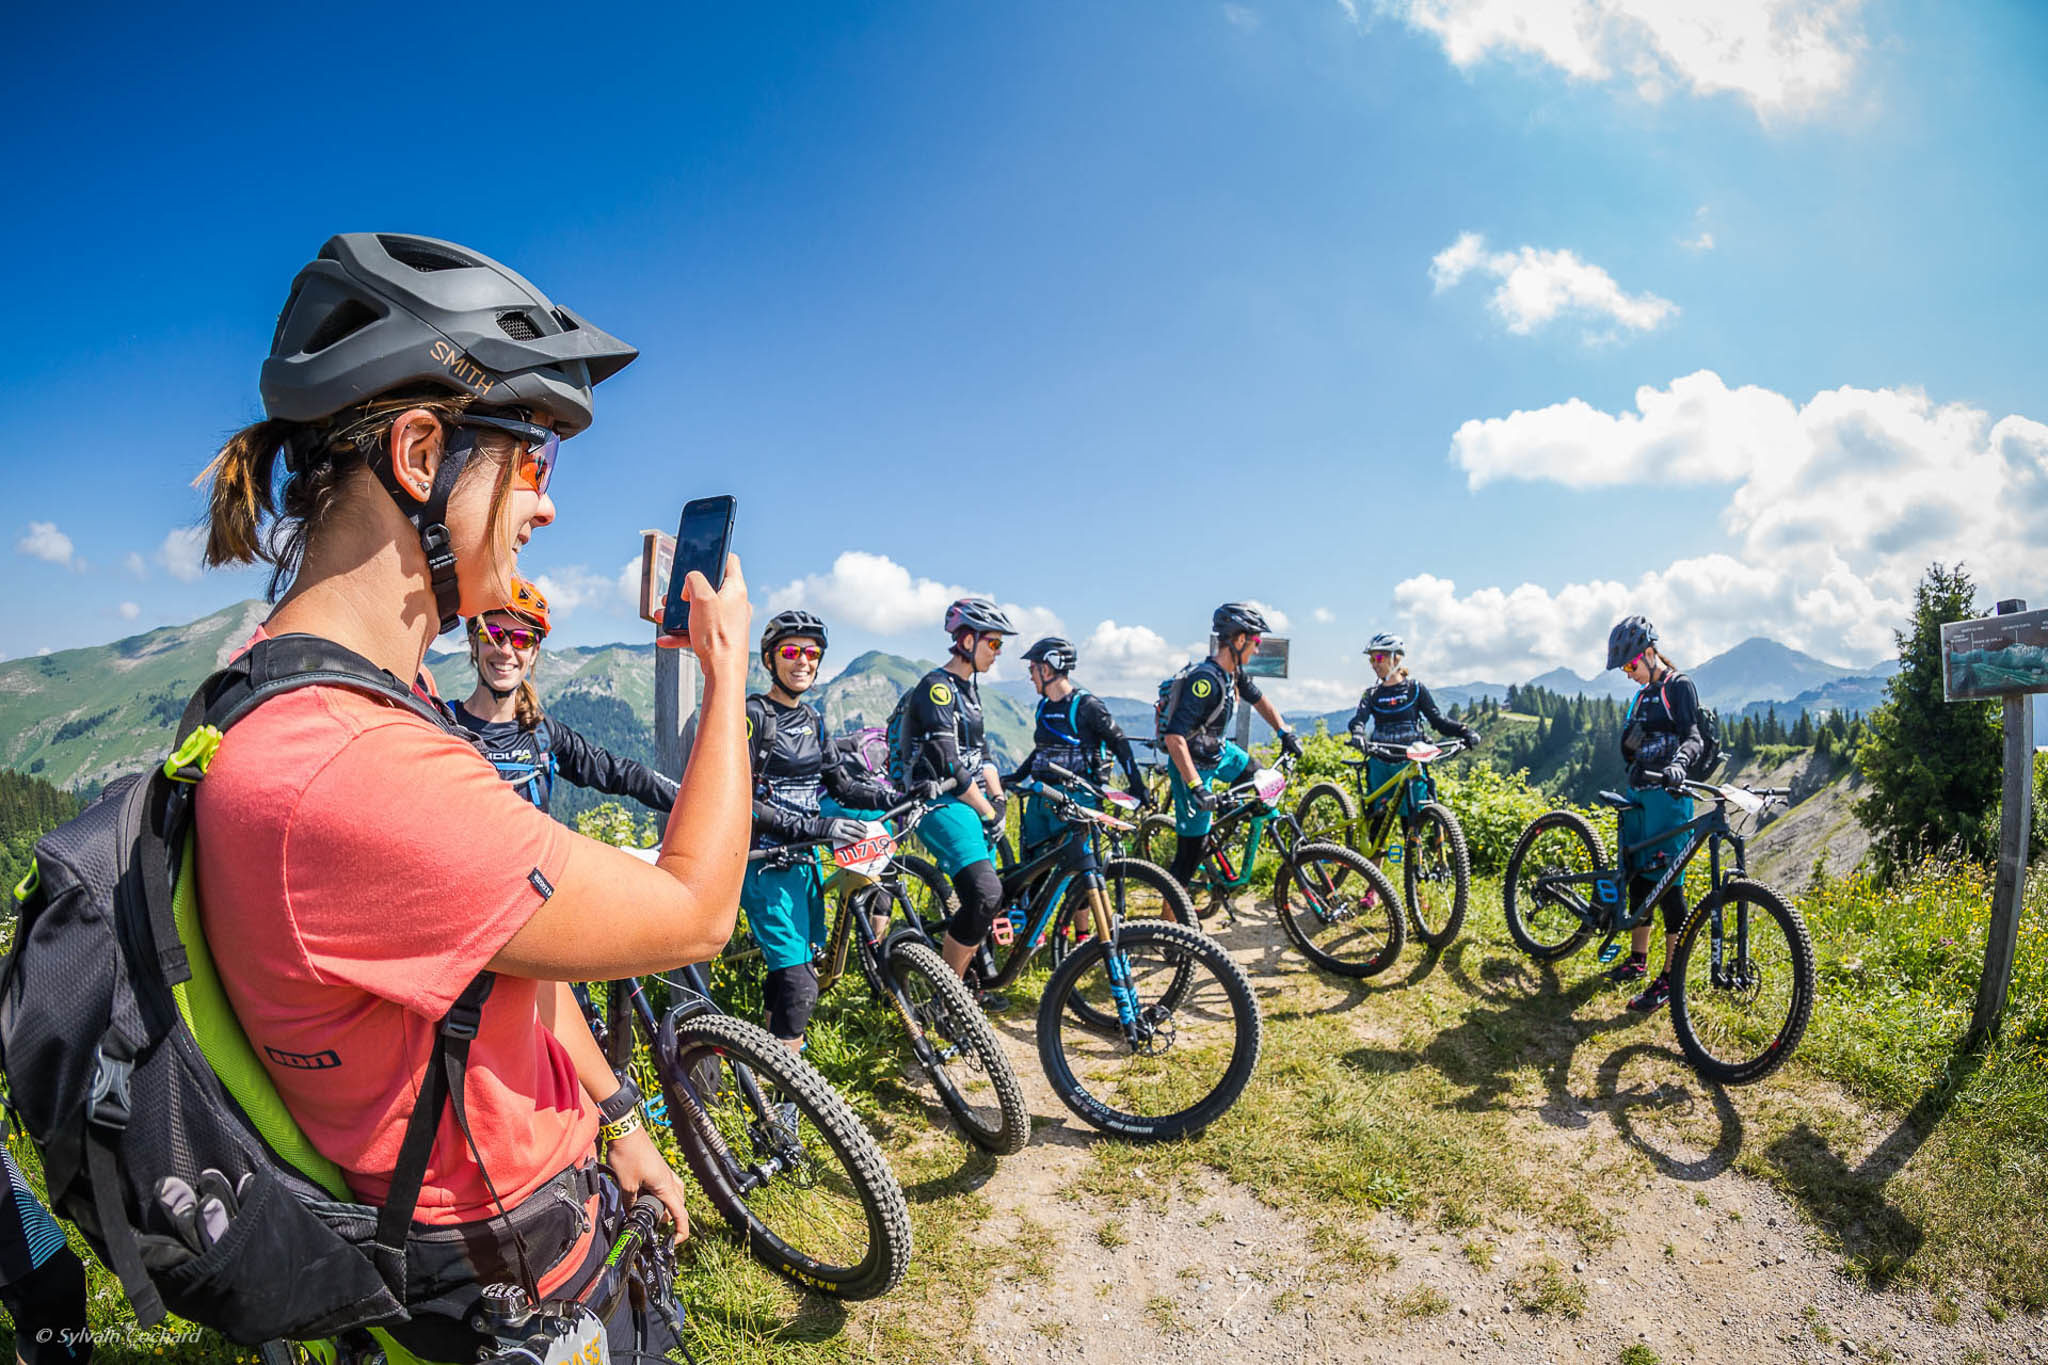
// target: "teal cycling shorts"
[[1658, 813], [1230, 765], [786, 910], [1379, 770], [1039, 823], [953, 833]]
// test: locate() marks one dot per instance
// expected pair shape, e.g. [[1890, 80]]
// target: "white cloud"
[[44, 650], [1832, 511], [1782, 56], [183, 553], [1276, 619], [1703, 242], [1242, 17], [1324, 616], [129, 611], [875, 593], [1350, 8], [1310, 694], [1122, 660], [135, 565], [575, 587], [45, 542], [1537, 286]]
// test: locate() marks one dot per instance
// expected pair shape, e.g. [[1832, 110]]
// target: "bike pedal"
[[1610, 949]]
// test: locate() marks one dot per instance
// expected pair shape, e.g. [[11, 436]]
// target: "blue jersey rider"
[[1074, 729], [1193, 733]]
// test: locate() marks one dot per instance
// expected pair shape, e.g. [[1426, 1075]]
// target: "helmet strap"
[[430, 519]]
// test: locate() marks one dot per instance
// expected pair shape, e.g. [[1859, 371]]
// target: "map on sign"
[[657, 554], [1269, 662], [1995, 656]]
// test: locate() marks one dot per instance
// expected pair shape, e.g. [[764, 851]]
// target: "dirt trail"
[[1708, 1264]]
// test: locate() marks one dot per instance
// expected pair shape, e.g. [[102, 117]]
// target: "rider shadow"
[[975, 1168], [1671, 1099], [1850, 1202], [818, 1318]]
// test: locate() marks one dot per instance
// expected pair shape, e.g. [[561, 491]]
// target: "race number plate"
[[1422, 751], [870, 855], [586, 1345], [1269, 783]]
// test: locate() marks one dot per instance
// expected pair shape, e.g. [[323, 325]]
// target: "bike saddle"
[[1617, 800]]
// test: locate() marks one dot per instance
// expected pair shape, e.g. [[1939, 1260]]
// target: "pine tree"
[[1932, 765], [1802, 731]]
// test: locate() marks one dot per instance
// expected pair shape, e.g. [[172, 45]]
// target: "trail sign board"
[[1995, 656], [657, 555], [1269, 662]]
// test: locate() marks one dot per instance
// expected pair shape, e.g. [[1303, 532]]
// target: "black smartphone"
[[703, 540]]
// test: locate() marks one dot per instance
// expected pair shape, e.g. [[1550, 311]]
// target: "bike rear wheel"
[[819, 1204], [1326, 816], [1141, 893], [1437, 872], [1193, 1040], [1156, 840], [1739, 1021], [923, 892], [1339, 910], [952, 1041], [1543, 916]]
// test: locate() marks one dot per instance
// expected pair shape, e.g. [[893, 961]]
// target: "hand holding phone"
[[703, 540]]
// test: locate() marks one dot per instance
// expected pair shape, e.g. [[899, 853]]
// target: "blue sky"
[[1424, 315]]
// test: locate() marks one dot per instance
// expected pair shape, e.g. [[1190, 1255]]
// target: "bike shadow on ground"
[[817, 1318], [976, 1166], [1276, 969], [1635, 1108], [1850, 1202]]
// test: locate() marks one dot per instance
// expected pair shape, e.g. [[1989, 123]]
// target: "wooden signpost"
[[2004, 657], [675, 670]]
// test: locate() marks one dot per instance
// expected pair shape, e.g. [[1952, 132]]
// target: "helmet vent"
[[350, 317], [566, 318], [422, 257], [518, 326]]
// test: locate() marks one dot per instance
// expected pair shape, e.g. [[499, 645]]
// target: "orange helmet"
[[527, 604]]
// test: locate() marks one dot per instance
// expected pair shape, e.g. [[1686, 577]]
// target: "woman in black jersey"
[[1660, 741], [528, 749], [800, 796], [1392, 711]]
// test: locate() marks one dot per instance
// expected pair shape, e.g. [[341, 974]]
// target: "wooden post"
[[2015, 828], [675, 702]]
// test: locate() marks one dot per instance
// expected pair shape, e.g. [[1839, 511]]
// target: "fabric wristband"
[[624, 1127]]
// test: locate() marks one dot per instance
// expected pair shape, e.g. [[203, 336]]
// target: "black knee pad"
[[1187, 856], [980, 891], [791, 994], [48, 1308]]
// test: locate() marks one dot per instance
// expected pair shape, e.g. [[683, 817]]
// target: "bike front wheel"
[[952, 1041], [1139, 892], [1437, 872], [1546, 892], [782, 1158], [1326, 816], [1182, 1044], [1742, 983], [1340, 910]]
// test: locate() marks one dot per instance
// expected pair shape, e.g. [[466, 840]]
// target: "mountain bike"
[[950, 1037], [1406, 828], [1741, 1007], [786, 1164], [1338, 909], [1146, 1027]]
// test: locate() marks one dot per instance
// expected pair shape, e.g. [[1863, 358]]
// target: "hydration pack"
[[1709, 758], [139, 1089], [896, 743], [1169, 700]]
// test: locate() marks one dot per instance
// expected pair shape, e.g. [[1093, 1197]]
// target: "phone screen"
[[702, 541]]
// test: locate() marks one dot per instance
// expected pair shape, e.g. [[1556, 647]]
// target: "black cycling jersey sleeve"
[[586, 765], [1360, 728], [934, 739], [1248, 690], [856, 790], [1098, 726], [1197, 703], [1427, 705]]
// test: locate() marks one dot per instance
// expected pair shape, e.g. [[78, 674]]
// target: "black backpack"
[[104, 1001]]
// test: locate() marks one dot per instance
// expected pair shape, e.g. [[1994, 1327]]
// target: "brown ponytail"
[[239, 501], [526, 707]]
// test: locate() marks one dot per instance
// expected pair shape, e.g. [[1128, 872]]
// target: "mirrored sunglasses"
[[790, 653], [538, 446], [994, 643], [508, 637]]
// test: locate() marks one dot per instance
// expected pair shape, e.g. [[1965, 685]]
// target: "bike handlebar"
[[764, 854], [599, 1299]]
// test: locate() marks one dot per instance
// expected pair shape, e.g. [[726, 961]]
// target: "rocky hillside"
[[1819, 827]]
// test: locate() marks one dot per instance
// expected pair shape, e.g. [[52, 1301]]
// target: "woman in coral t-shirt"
[[360, 866]]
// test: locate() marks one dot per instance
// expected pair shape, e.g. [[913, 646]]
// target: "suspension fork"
[[1119, 966]]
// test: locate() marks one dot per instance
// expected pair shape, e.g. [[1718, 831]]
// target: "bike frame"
[[1216, 843], [1710, 831]]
